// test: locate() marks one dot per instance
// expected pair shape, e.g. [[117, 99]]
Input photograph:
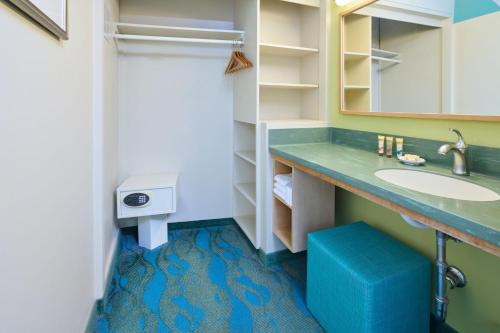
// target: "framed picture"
[[51, 14]]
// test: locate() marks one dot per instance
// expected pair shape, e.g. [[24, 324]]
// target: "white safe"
[[150, 198]]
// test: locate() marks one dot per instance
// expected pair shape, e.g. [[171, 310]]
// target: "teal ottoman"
[[361, 280]]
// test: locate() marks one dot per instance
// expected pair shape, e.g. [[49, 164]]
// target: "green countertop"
[[356, 167]]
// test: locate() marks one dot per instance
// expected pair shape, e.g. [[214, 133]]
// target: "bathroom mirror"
[[421, 59]]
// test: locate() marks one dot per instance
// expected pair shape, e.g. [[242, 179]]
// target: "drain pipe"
[[445, 275], [441, 268]]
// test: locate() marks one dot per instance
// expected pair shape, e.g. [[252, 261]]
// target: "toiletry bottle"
[[388, 146], [381, 141], [399, 147]]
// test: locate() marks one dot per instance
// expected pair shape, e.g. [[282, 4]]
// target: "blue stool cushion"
[[361, 280]]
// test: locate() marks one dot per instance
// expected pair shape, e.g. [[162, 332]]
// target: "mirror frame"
[[349, 10]]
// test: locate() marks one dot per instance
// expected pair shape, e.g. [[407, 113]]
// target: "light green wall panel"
[[475, 308]]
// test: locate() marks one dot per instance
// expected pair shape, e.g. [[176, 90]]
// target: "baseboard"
[[93, 318], [200, 224], [111, 261], [279, 256], [439, 327]]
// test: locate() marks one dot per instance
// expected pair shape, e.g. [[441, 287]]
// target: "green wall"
[[475, 308]]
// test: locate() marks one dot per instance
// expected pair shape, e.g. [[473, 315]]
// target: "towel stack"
[[283, 187]]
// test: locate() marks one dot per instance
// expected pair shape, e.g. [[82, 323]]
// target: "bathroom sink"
[[434, 184]]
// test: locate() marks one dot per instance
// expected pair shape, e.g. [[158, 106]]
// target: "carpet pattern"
[[204, 280]]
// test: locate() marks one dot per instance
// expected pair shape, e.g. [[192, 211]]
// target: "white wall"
[[420, 72], [194, 13], [105, 141], [477, 65], [46, 243], [176, 109]]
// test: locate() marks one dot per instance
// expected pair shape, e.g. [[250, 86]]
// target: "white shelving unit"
[[248, 191], [286, 41], [247, 155], [248, 225]]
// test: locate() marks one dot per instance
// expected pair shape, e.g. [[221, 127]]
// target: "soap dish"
[[412, 162]]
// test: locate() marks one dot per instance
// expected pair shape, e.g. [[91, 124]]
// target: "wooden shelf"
[[247, 155], [285, 50], [284, 234], [353, 87], [310, 3], [248, 190], [355, 55], [282, 201], [273, 85], [145, 32], [247, 224]]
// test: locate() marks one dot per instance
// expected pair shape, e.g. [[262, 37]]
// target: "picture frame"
[[50, 14]]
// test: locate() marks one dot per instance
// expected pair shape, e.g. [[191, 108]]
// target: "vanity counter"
[[351, 168]]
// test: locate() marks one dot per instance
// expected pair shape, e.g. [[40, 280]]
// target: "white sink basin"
[[438, 185]]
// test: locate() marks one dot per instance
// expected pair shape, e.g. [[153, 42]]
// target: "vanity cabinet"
[[312, 208]]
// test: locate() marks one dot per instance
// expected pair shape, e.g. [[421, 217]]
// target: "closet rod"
[[178, 39]]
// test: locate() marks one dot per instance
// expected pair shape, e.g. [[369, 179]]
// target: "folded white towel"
[[283, 188], [283, 179], [286, 195]]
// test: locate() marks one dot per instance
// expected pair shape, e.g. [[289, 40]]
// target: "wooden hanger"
[[238, 61]]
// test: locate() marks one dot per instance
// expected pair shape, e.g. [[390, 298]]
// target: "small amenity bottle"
[[388, 146], [381, 141], [399, 147]]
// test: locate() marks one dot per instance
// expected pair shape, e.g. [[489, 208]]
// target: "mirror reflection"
[[421, 57]]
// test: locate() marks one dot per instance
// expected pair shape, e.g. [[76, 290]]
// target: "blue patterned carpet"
[[204, 280]]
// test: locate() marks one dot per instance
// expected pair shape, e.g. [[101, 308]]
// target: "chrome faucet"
[[460, 155]]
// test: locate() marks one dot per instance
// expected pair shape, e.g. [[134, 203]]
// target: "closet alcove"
[[177, 106]]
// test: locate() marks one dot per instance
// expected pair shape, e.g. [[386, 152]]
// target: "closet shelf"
[[247, 155], [311, 3], [288, 85], [247, 223], [384, 53], [286, 50], [396, 61], [248, 190], [158, 33], [355, 55], [352, 87]]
